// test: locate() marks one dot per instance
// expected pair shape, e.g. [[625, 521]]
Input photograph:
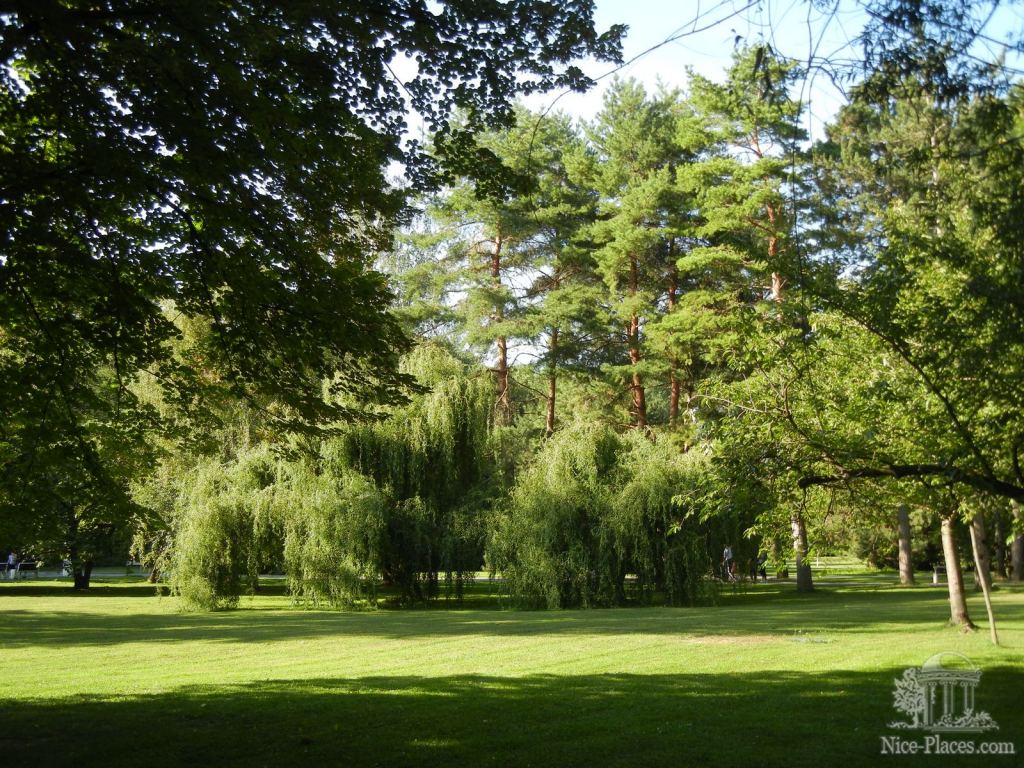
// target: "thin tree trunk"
[[804, 582], [982, 557], [549, 419], [1017, 549], [999, 563], [777, 284], [674, 394], [773, 259], [673, 378], [636, 382], [504, 401], [906, 554], [781, 572], [981, 566], [691, 417], [504, 404], [637, 386], [954, 576]]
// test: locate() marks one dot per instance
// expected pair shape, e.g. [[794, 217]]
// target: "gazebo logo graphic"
[[939, 697]]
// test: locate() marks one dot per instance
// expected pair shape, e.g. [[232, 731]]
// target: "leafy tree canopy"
[[227, 161]]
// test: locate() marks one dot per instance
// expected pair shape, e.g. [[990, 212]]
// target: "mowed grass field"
[[765, 678]]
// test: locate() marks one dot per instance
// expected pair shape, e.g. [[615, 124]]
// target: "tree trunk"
[[804, 582], [549, 419], [637, 387], [82, 571], [674, 394], [1017, 549], [673, 378], [954, 576], [773, 259], [776, 286], [982, 559], [981, 565], [999, 563], [906, 554], [782, 572], [504, 402], [633, 335]]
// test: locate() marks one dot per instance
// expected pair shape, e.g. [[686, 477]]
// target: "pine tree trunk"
[[549, 419], [1017, 548], [777, 288], [983, 558], [906, 554], [804, 582], [636, 382], [954, 576], [504, 401], [773, 259], [673, 399], [673, 378]]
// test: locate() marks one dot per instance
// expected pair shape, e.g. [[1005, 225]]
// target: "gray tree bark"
[[982, 555], [981, 566], [906, 554], [954, 576], [804, 582]]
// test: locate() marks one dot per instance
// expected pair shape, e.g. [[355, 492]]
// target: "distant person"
[[727, 562], [12, 564], [762, 566]]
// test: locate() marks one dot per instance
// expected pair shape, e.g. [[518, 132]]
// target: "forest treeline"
[[671, 329], [594, 354]]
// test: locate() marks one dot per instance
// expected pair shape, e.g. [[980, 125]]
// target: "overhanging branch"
[[904, 471]]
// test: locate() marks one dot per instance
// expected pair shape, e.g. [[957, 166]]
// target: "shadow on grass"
[[763, 614], [763, 720]]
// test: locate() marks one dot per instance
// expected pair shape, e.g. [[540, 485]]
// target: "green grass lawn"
[[765, 678]]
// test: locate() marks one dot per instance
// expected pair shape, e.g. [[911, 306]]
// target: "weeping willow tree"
[[594, 508], [413, 501], [221, 519], [334, 529], [434, 458], [401, 500], [656, 518]]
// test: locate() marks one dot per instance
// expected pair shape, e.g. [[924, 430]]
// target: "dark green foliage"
[[229, 160]]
